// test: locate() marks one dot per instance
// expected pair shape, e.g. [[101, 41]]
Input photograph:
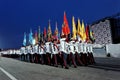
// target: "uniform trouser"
[[71, 58], [35, 58], [54, 59], [23, 57], [91, 58], [48, 58], [28, 57], [64, 59], [84, 58], [78, 59]]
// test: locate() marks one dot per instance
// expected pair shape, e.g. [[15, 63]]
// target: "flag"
[[79, 30], [83, 32], [56, 32], [87, 33], [44, 34], [36, 37], [39, 35], [66, 26], [31, 37], [49, 32], [74, 28], [92, 38], [63, 31], [24, 40]]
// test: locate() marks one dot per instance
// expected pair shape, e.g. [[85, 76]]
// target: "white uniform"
[[81, 47], [47, 47], [71, 47], [77, 47], [35, 48], [91, 48], [41, 50], [22, 50], [85, 48], [54, 49], [63, 45]]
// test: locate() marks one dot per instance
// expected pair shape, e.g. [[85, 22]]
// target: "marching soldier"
[[77, 53], [42, 54], [54, 53], [63, 52], [71, 55], [48, 53]]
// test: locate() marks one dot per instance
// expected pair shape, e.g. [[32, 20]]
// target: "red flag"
[[87, 33], [66, 29], [44, 32]]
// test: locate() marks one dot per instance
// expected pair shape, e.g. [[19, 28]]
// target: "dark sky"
[[18, 16]]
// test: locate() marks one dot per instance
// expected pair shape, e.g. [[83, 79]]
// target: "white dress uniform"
[[81, 47], [54, 49], [71, 47], [77, 47], [63, 45], [91, 48], [22, 50], [85, 48], [47, 47], [41, 50], [35, 48]]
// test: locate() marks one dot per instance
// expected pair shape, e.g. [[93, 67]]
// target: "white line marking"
[[8, 74]]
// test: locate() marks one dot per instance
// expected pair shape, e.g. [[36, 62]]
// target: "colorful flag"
[[56, 32], [66, 26], [49, 32], [31, 37], [74, 28], [36, 37], [92, 38], [24, 40]]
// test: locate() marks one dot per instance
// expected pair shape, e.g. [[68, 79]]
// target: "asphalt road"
[[104, 69]]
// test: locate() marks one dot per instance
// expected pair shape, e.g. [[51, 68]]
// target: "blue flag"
[[24, 40], [30, 37]]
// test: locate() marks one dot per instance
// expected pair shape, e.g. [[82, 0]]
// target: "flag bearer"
[[91, 53], [22, 50], [71, 51], [63, 52], [42, 55], [54, 53], [35, 55], [48, 53], [77, 53]]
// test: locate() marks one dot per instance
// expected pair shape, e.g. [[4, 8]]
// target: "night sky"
[[18, 16]]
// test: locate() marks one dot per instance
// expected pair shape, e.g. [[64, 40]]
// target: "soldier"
[[42, 57], [35, 55], [54, 53], [71, 53], [77, 53], [48, 53], [22, 50], [63, 52]]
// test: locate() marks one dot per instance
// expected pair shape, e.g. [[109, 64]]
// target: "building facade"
[[107, 30]]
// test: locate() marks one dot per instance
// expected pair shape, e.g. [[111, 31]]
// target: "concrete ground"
[[104, 69]]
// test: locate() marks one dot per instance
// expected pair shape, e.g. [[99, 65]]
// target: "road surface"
[[104, 69]]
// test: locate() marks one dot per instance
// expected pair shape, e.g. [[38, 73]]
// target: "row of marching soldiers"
[[54, 53]]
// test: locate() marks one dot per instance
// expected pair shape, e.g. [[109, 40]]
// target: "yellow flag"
[[74, 28], [79, 30], [83, 32]]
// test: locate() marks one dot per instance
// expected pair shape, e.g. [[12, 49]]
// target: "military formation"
[[55, 53], [56, 49]]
